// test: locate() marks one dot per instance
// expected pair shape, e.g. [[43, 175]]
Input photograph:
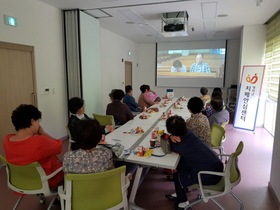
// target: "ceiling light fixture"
[[222, 15]]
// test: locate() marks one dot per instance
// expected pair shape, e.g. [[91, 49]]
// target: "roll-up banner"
[[248, 97]]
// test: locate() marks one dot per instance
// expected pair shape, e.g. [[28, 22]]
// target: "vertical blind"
[[272, 58]]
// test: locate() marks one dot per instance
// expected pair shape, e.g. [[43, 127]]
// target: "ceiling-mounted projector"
[[173, 27], [174, 24]]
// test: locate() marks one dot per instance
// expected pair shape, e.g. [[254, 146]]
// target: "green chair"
[[217, 134], [29, 180], [95, 191], [224, 126], [104, 119], [231, 177]]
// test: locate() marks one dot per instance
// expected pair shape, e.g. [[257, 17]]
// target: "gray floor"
[[254, 162]]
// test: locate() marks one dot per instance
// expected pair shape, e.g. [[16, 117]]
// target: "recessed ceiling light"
[[222, 15], [130, 22]]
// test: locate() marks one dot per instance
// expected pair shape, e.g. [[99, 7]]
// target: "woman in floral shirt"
[[198, 123], [88, 159]]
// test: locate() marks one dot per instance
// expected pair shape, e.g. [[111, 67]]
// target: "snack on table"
[[143, 116], [177, 106], [137, 130], [152, 110], [141, 151], [163, 116]]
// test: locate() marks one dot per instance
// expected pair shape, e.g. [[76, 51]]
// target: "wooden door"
[[17, 83], [128, 73]]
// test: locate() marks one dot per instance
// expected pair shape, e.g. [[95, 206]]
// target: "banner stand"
[[249, 92]]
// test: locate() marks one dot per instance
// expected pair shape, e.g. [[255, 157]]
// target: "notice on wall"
[[248, 97]]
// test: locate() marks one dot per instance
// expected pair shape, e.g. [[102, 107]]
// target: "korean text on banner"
[[248, 97]]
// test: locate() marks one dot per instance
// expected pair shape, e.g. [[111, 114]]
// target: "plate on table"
[[146, 154], [134, 134]]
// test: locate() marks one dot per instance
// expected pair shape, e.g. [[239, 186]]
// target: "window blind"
[[272, 58]]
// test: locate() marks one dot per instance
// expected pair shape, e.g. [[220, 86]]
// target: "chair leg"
[[239, 201], [217, 203], [51, 203], [17, 203]]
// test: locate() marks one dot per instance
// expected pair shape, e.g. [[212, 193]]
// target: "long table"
[[130, 142]]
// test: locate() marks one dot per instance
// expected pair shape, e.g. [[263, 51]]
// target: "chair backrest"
[[71, 144], [26, 179], [217, 134], [104, 119], [68, 132], [101, 190], [233, 169], [224, 124]]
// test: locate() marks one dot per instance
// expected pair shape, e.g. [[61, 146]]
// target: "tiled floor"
[[254, 163]]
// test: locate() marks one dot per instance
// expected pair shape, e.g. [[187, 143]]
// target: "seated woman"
[[119, 110], [205, 98], [88, 158], [143, 100], [152, 95], [220, 114], [198, 123], [32, 144], [130, 101], [76, 106], [195, 157]]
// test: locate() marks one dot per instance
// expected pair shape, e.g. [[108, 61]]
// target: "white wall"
[[252, 53], [275, 164], [40, 25], [114, 48], [91, 63]]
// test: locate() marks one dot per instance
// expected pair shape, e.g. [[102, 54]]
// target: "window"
[[272, 58]]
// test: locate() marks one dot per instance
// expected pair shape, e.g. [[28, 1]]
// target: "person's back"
[[119, 110], [88, 158], [129, 100], [143, 100], [196, 155], [219, 114], [32, 143], [198, 123]]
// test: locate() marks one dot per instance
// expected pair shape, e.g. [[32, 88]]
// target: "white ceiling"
[[147, 25]]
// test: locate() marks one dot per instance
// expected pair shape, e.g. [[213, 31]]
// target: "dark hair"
[[216, 94], [217, 103], [203, 91], [118, 94], [111, 94], [176, 125], [148, 87], [195, 104], [128, 88], [74, 104], [177, 63], [143, 88], [87, 133], [23, 114], [217, 89]]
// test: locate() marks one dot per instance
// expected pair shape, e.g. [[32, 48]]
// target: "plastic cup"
[[152, 143]]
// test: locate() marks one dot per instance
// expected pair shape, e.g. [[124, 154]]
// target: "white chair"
[[30, 180], [231, 177], [69, 138]]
